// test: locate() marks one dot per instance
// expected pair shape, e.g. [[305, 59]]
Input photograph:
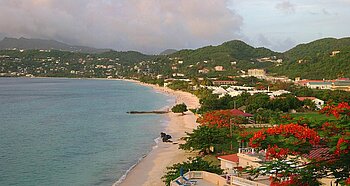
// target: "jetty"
[[148, 112]]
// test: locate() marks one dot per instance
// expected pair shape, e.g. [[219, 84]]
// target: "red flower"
[[276, 152], [220, 118], [341, 109], [341, 142], [347, 181], [303, 134]]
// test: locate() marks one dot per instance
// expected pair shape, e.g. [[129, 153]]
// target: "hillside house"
[[318, 102], [256, 72], [335, 53], [219, 68], [204, 71], [224, 82]]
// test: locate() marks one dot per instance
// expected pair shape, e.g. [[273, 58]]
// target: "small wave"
[[157, 141], [122, 178]]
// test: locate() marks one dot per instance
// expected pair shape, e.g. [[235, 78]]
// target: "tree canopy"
[[179, 108], [287, 144]]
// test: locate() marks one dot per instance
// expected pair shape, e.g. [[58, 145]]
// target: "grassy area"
[[312, 116], [212, 158]]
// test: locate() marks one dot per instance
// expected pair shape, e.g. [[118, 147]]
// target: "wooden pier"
[[148, 112]]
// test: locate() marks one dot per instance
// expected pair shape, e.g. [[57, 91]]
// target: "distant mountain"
[[168, 52], [24, 43], [324, 58], [126, 57]]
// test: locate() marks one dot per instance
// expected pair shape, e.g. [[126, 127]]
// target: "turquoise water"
[[74, 132]]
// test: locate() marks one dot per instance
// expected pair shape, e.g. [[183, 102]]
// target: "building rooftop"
[[320, 83], [237, 112], [318, 153], [304, 98], [230, 157]]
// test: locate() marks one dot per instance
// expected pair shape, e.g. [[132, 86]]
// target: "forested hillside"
[[321, 59], [325, 58]]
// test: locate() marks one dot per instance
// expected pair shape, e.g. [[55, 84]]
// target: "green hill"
[[315, 60], [325, 58], [125, 58], [224, 55]]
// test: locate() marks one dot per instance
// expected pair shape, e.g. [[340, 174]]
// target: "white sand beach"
[[150, 170]]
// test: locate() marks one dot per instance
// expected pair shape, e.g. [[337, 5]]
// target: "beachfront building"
[[238, 90], [229, 163], [217, 90], [232, 164], [203, 178], [250, 157], [246, 157]]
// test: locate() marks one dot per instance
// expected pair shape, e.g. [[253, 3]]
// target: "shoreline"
[[149, 170]]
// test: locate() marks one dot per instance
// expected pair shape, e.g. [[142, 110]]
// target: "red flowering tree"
[[286, 145], [220, 118], [284, 140]]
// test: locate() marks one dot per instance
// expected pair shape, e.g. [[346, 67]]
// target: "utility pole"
[[231, 147]]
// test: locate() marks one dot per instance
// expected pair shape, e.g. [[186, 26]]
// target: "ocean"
[[74, 131]]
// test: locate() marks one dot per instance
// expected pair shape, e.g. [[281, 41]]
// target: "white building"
[[257, 72], [318, 102], [219, 68], [319, 85]]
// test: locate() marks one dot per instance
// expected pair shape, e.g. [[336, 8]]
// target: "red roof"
[[230, 157], [304, 98], [343, 79], [237, 112], [318, 153]]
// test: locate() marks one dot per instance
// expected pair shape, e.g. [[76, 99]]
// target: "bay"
[[74, 131]]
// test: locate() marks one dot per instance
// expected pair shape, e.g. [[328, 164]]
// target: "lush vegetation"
[[315, 60], [207, 140], [179, 108], [56, 63]]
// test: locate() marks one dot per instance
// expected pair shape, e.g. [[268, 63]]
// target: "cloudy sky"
[[151, 26]]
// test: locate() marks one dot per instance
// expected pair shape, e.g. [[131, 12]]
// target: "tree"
[[205, 137], [295, 140], [193, 164], [179, 85], [221, 118], [179, 108]]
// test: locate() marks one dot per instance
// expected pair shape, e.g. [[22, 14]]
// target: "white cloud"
[[286, 7], [148, 25]]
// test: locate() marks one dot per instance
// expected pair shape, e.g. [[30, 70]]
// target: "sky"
[[151, 26]]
